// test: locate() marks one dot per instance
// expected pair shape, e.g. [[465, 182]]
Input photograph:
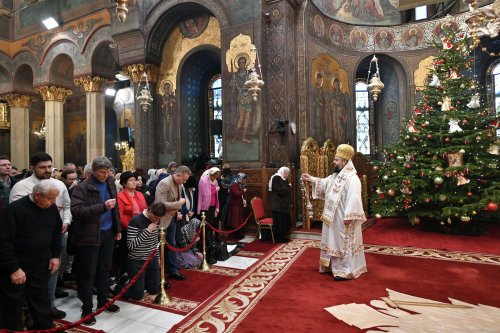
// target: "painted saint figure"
[[243, 100], [168, 111], [339, 105]]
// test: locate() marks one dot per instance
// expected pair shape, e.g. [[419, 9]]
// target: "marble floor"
[[135, 318]]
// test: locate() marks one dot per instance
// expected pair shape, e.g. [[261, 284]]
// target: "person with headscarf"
[[208, 201], [237, 204], [281, 199]]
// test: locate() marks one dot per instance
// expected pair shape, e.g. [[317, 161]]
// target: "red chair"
[[262, 221]]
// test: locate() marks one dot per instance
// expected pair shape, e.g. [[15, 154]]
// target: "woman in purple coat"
[[237, 204]]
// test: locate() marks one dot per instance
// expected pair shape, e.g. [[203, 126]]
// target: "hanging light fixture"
[[122, 8], [254, 82], [483, 22], [144, 97], [41, 132], [375, 85]]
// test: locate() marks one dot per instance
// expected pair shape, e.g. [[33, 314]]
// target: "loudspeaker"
[[216, 127]]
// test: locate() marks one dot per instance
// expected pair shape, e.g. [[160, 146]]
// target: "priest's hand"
[[306, 177]]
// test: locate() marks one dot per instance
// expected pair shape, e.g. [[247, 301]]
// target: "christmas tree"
[[445, 166]]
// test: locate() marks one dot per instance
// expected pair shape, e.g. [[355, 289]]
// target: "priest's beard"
[[337, 169]]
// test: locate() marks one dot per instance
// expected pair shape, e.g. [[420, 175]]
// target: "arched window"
[[495, 73], [215, 115], [362, 118]]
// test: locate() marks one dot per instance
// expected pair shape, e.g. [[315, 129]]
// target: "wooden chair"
[[259, 213]]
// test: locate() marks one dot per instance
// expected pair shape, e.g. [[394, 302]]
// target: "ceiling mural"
[[365, 12]]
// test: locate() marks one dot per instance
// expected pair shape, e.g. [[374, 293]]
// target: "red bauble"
[[381, 195], [464, 122], [427, 200], [429, 136], [407, 166], [489, 135], [415, 139], [469, 194], [492, 206], [458, 102], [447, 140]]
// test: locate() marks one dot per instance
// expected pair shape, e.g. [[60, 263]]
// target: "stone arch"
[[71, 52], [27, 58], [167, 15], [62, 71], [23, 80], [102, 57], [391, 106], [6, 70]]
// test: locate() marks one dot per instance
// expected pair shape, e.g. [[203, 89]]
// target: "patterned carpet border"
[[224, 312]]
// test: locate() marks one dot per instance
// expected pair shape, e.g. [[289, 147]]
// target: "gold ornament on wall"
[[4, 116]]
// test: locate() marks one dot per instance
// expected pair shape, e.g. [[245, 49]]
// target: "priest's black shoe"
[[339, 278], [177, 276]]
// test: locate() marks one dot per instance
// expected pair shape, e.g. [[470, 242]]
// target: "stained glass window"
[[362, 118], [215, 116]]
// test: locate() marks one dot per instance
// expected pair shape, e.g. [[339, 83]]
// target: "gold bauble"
[[474, 212], [465, 218], [394, 172], [378, 216], [391, 192], [438, 180], [385, 178], [442, 197]]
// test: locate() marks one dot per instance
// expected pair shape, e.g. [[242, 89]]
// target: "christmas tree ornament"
[[418, 112], [447, 140], [435, 81], [391, 192], [453, 75], [465, 218], [454, 126], [427, 199], [442, 197], [493, 149], [394, 172], [445, 105], [415, 220], [492, 207], [461, 151], [378, 216], [375, 168], [438, 180], [400, 158], [474, 102], [469, 194], [455, 159], [461, 180], [446, 44], [385, 178]]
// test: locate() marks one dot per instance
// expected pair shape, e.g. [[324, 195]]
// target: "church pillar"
[[20, 129], [54, 98], [94, 87], [281, 82], [145, 127]]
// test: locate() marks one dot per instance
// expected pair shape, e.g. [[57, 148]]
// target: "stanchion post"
[[163, 298], [205, 266]]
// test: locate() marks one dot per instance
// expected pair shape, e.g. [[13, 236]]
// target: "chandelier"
[[41, 132], [375, 85], [122, 8], [123, 145], [483, 22], [254, 82], [143, 96]]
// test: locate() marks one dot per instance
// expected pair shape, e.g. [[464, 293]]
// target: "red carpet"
[[397, 231], [285, 292]]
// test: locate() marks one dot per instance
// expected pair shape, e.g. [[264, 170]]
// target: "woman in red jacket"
[[130, 203]]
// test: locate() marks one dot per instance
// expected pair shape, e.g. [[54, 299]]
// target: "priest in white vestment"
[[341, 237]]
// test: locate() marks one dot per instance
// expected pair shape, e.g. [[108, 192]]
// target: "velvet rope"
[[102, 308], [233, 230], [182, 249]]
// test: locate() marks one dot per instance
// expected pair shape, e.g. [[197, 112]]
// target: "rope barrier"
[[187, 247], [102, 308], [233, 230]]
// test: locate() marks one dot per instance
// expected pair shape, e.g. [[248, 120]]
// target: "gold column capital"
[[17, 100], [92, 83], [53, 93], [135, 72]]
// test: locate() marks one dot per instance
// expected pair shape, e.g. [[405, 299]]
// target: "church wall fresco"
[[75, 130], [361, 12], [243, 11]]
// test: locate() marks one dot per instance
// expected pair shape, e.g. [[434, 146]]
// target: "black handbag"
[[220, 250]]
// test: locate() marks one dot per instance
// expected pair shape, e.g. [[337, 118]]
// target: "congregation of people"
[[94, 230]]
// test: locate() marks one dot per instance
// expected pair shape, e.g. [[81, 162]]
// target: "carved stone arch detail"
[[23, 79], [97, 44], [70, 50], [166, 15], [6, 70], [27, 58]]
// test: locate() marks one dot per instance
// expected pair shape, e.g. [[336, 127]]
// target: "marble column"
[[54, 98], [94, 87], [20, 129], [145, 152]]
